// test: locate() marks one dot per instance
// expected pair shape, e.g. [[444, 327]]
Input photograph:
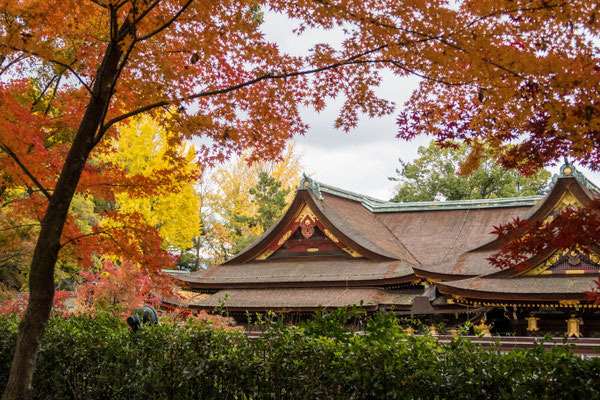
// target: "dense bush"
[[100, 358]]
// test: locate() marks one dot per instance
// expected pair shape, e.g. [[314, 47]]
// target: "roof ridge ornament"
[[568, 170], [310, 184]]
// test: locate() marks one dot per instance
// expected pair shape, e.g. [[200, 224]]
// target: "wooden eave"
[[282, 310], [477, 295], [292, 284], [563, 185], [437, 276]]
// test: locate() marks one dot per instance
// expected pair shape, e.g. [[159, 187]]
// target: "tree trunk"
[[41, 277]]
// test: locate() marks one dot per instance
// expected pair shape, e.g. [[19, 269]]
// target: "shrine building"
[[428, 260]]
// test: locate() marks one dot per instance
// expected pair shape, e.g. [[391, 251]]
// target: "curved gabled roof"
[[347, 219]]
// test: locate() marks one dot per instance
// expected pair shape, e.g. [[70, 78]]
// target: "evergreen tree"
[[270, 201], [435, 175]]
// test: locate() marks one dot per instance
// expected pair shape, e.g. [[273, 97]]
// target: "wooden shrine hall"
[[428, 260]]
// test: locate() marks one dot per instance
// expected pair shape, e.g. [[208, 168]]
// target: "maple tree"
[[493, 71], [435, 173], [118, 288]]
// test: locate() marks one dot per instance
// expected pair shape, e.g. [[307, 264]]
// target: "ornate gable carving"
[[306, 236], [567, 262]]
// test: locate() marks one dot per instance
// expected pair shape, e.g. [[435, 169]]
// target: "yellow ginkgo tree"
[[146, 149]]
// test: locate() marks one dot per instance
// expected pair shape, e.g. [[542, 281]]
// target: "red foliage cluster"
[[19, 304]]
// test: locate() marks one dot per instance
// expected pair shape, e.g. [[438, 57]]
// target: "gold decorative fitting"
[[453, 332], [264, 255], [285, 237], [352, 252], [312, 249], [331, 236], [433, 330], [573, 325], [483, 329], [567, 171], [409, 331], [306, 184], [305, 211], [569, 302], [532, 325]]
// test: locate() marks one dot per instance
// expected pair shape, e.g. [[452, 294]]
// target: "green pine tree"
[[270, 201]]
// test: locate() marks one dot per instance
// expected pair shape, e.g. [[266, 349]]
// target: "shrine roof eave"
[[304, 298], [434, 276], [300, 284], [305, 271], [562, 184], [525, 289]]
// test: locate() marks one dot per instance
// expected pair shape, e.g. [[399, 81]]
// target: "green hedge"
[[100, 358]]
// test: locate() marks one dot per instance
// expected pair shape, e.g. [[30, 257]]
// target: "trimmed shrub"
[[84, 357]]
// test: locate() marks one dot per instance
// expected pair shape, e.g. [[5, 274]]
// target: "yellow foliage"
[[145, 148]]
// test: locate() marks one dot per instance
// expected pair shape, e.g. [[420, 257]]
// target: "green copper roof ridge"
[[378, 206], [454, 204]]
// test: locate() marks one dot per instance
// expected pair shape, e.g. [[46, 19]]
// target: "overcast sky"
[[363, 159]]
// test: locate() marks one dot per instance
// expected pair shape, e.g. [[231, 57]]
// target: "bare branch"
[[25, 170]]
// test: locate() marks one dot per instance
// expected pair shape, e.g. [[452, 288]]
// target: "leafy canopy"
[[436, 173]]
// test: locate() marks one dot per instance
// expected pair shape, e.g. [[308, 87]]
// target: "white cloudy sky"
[[363, 159]]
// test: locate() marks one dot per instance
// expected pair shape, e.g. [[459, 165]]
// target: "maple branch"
[[441, 38], [62, 64], [113, 84], [98, 3], [53, 95], [429, 78], [8, 151], [146, 11], [16, 60], [168, 23], [17, 227], [103, 232], [348, 61]]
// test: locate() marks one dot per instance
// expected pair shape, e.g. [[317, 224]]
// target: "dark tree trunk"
[[41, 277]]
